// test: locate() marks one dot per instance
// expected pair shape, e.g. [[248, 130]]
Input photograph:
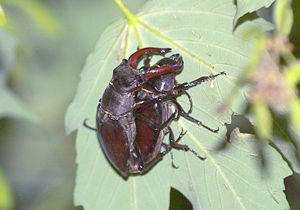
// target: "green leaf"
[[8, 46], [201, 31], [11, 106], [295, 113], [292, 78], [6, 195], [2, 17], [292, 75], [283, 16], [263, 120], [40, 15], [248, 6]]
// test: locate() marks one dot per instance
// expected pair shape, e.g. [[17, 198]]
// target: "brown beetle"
[[116, 128], [131, 128], [152, 120]]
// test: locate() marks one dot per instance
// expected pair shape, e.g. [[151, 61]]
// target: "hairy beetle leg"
[[176, 145], [190, 100], [190, 118], [168, 149], [172, 160], [198, 81]]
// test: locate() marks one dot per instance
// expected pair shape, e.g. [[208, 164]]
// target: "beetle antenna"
[[87, 126]]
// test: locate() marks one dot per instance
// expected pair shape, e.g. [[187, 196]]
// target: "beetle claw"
[[174, 166], [182, 133]]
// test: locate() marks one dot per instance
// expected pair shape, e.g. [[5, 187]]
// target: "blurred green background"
[[45, 45], [42, 51]]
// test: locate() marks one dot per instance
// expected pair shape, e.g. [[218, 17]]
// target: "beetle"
[[152, 120], [115, 122], [122, 112]]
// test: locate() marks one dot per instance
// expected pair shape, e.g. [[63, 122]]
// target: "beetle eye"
[[140, 168]]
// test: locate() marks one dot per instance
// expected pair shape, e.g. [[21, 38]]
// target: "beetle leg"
[[87, 126], [190, 100], [198, 81], [190, 118], [175, 144], [172, 160], [168, 121], [168, 149], [135, 57]]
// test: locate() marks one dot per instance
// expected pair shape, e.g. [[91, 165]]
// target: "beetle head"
[[173, 60], [126, 79]]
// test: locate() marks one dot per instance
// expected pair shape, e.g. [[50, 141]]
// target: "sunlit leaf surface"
[[201, 31]]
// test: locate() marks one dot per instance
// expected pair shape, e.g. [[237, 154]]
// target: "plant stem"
[[131, 18]]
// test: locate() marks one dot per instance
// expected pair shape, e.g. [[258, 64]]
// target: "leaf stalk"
[[131, 18]]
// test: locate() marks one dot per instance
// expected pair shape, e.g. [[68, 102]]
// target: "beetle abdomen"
[[147, 136], [116, 140]]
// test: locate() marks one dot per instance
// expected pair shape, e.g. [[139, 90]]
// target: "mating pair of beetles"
[[135, 111]]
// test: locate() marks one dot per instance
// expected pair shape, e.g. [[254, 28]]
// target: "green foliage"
[[283, 17], [38, 159], [292, 78], [263, 120], [10, 105], [201, 31], [40, 15], [274, 84], [292, 75], [6, 195], [8, 43], [2, 17], [272, 96], [295, 113]]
